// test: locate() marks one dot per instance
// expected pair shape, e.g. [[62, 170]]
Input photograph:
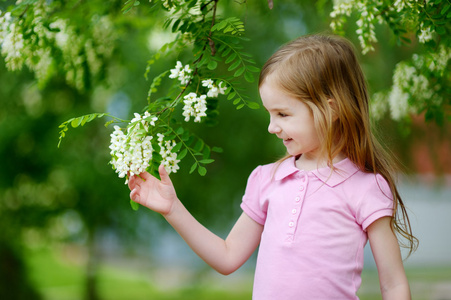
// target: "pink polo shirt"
[[314, 228]]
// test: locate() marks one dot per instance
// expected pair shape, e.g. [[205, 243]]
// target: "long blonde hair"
[[323, 72]]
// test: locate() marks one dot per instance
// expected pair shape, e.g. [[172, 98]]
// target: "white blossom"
[[214, 90], [194, 107], [182, 73], [378, 107], [170, 161], [398, 103], [426, 34], [44, 43], [132, 152]]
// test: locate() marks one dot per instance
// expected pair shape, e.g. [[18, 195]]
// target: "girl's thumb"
[[164, 176]]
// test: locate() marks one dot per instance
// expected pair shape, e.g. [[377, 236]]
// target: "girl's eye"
[[282, 115]]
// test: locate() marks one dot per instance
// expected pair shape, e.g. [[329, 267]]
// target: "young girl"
[[312, 212]]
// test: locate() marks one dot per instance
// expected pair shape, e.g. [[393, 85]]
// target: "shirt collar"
[[344, 169]]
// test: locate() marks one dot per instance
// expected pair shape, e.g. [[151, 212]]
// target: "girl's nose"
[[273, 128]]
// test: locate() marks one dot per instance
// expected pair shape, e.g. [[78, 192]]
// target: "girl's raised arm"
[[387, 255], [225, 256]]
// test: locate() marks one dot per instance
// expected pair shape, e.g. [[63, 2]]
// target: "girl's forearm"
[[398, 292], [225, 256]]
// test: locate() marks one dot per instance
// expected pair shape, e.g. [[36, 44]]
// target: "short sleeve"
[[251, 204], [376, 202]]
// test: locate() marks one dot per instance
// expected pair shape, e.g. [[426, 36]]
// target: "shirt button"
[[291, 224], [297, 199], [293, 211], [301, 188]]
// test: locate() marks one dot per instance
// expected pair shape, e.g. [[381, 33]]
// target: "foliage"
[[423, 83], [213, 41], [87, 56], [34, 35]]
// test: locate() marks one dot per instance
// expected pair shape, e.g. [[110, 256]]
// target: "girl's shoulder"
[[364, 182], [264, 172]]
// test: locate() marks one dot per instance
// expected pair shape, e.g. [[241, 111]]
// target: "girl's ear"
[[334, 108]]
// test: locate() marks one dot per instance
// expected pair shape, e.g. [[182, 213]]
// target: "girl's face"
[[290, 120]]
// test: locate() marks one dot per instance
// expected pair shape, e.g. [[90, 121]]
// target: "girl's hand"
[[154, 194]]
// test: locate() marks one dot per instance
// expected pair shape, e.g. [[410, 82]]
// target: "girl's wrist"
[[173, 209]]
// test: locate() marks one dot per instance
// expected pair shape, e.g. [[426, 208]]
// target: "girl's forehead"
[[275, 99]]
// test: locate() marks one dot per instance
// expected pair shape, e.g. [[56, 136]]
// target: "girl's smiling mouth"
[[287, 141]]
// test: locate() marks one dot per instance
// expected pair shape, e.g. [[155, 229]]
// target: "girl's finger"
[[134, 195], [164, 175], [145, 176], [131, 182]]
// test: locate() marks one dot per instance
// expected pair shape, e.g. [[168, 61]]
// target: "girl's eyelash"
[[282, 115]]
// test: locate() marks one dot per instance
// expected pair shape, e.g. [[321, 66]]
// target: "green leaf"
[[253, 105], [240, 71], [217, 149], [129, 5], [176, 25], [212, 65], [76, 122], [93, 116], [231, 58], [193, 168], [182, 154], [185, 136], [170, 137], [253, 69], [180, 130], [85, 119], [199, 145], [207, 161], [134, 205], [231, 95], [206, 152], [240, 106], [202, 171], [226, 52], [445, 9], [177, 147], [249, 77], [219, 26], [234, 65]]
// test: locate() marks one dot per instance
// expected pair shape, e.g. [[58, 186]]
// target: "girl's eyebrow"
[[280, 108]]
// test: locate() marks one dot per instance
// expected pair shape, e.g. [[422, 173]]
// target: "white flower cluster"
[[170, 161], [398, 97], [132, 152], [182, 73], [41, 51], [341, 8], [11, 42], [437, 62], [399, 5], [194, 107], [214, 90], [366, 30], [411, 89], [426, 33]]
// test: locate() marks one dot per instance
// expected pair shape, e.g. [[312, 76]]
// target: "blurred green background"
[[66, 227]]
